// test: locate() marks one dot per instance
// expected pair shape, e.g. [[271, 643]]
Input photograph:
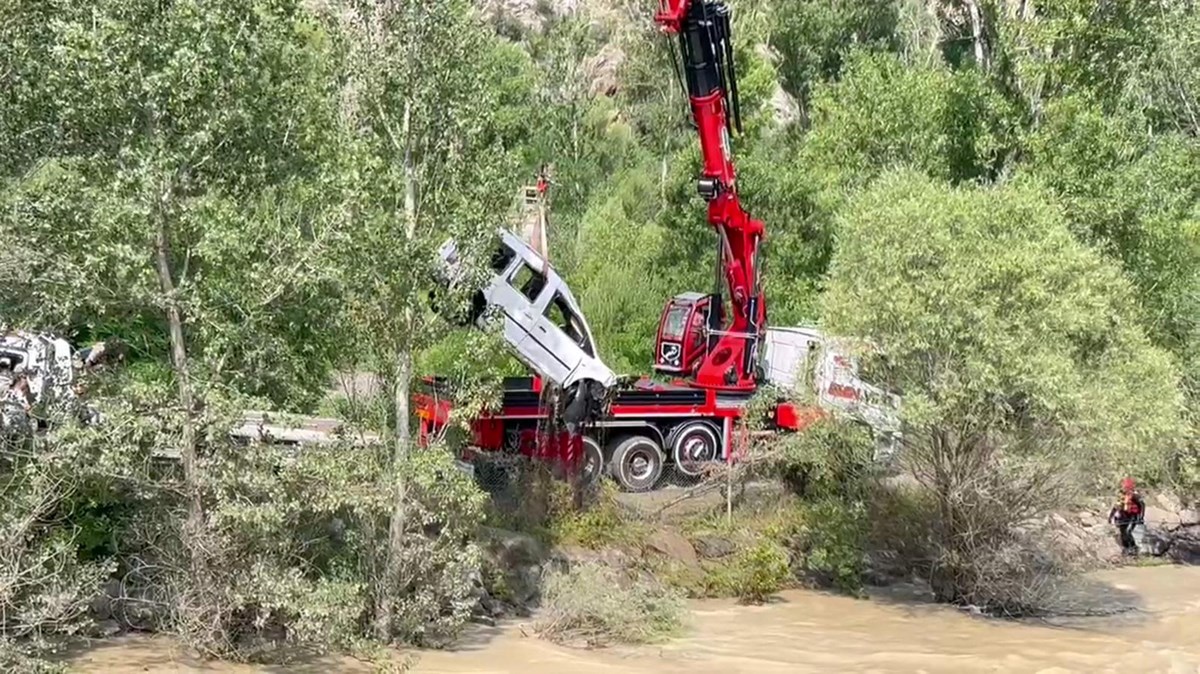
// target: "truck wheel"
[[637, 463], [593, 463], [695, 445]]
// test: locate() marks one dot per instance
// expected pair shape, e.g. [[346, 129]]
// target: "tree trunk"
[[401, 440], [981, 58], [179, 360]]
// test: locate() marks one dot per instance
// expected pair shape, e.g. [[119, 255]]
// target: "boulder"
[[610, 557], [1162, 518], [519, 557], [1155, 542], [1189, 516], [1168, 502], [103, 629], [601, 70], [673, 546], [102, 605], [714, 547], [1185, 548]]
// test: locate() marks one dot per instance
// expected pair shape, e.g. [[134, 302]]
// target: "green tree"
[[881, 114], [1135, 196], [1016, 349], [176, 188], [814, 38], [419, 163]]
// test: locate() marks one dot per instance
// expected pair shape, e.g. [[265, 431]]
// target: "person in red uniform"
[[1129, 512]]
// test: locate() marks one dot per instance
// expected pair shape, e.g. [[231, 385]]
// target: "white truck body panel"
[[790, 352]]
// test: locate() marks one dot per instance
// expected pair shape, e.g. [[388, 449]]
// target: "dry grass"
[[593, 605]]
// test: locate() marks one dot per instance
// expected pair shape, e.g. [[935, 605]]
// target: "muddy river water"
[[810, 632]]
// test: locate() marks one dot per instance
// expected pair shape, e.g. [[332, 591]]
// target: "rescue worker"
[[1128, 513]]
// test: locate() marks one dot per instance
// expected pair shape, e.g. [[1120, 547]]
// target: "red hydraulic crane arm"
[[704, 31]]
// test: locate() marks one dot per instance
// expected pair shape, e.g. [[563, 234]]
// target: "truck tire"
[[593, 463], [637, 463], [695, 445]]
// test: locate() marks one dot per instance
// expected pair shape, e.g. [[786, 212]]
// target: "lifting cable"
[[677, 66]]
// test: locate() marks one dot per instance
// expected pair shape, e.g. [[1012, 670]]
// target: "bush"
[[542, 505], [753, 575], [602, 523], [835, 544], [47, 574], [829, 457], [597, 606]]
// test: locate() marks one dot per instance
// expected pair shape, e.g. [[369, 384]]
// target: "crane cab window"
[[676, 323], [697, 329], [559, 312], [529, 282]]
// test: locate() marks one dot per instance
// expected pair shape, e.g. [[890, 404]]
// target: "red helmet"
[[1127, 484]]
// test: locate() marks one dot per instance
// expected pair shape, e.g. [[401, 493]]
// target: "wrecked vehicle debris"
[[542, 322]]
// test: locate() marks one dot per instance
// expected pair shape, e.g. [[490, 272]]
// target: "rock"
[[1155, 542], [714, 547], [673, 546], [102, 605], [610, 557], [1059, 520], [1161, 518], [524, 14], [785, 109], [1168, 502], [519, 557], [1185, 549], [484, 620], [1189, 516], [601, 70]]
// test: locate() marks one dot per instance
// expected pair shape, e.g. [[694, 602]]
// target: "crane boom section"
[[703, 29]]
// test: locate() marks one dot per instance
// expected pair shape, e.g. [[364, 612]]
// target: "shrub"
[[48, 574], [752, 575], [596, 605], [603, 522], [835, 544], [829, 457]]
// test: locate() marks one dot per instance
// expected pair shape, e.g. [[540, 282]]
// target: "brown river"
[[809, 632]]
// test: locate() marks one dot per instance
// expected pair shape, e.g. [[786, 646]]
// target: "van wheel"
[[637, 463]]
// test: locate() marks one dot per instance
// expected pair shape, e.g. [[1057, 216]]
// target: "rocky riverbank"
[[1171, 533]]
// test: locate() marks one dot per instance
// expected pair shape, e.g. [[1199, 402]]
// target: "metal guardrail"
[[287, 429], [296, 430]]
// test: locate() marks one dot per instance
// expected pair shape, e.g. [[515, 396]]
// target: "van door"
[[519, 294], [551, 343]]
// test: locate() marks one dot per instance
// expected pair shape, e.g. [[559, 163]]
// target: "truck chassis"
[[649, 428]]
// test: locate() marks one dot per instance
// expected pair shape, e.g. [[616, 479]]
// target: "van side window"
[[501, 257], [528, 281], [559, 312]]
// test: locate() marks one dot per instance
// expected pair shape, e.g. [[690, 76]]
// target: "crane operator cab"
[[687, 331]]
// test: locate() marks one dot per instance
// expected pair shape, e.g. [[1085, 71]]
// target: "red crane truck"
[[715, 347]]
